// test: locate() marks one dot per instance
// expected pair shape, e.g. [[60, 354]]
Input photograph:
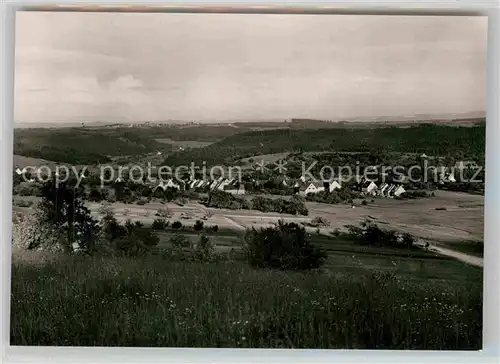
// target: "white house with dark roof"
[[235, 188], [333, 185], [382, 190], [167, 184], [398, 191], [311, 187], [222, 184], [447, 177], [369, 188]]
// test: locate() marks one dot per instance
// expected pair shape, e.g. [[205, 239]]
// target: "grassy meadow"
[[153, 301]]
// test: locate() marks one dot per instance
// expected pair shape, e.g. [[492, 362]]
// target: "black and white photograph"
[[218, 180]]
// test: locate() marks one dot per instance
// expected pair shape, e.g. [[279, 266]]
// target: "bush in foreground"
[[159, 224], [369, 233], [284, 246], [176, 225], [129, 239]]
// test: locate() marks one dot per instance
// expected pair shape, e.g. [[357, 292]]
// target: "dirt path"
[[234, 223], [465, 258]]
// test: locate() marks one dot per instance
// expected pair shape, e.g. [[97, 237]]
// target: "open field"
[[344, 255], [22, 162], [184, 143], [462, 220], [418, 299], [267, 158], [73, 301]]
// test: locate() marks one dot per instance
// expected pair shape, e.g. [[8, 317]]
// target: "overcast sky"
[[139, 67]]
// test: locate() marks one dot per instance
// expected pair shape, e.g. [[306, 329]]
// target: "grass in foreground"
[[153, 302]]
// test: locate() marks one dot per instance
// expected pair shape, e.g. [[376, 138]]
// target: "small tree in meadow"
[[164, 212], [283, 246], [204, 249], [159, 224], [198, 225], [180, 241]]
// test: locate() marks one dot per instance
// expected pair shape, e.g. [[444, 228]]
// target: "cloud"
[[111, 66]]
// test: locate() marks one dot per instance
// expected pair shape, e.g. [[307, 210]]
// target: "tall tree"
[[63, 207]]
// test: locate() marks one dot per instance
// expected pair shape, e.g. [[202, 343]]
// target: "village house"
[[168, 184], [390, 190], [215, 182], [223, 183], [305, 189], [235, 188], [369, 188], [315, 187], [20, 171], [447, 177], [398, 191], [201, 183], [312, 187], [382, 191], [331, 186], [281, 181]]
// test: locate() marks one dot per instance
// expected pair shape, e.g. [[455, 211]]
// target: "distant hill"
[[429, 138], [420, 117], [264, 122]]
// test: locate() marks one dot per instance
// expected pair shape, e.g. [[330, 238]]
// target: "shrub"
[[105, 208], [27, 190], [284, 246], [364, 202], [130, 239], [176, 225], [370, 234], [225, 200], [205, 249], [198, 225], [30, 231], [408, 240], [180, 241], [159, 224], [164, 212], [319, 221], [215, 228]]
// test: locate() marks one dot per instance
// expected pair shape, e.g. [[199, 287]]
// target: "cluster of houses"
[[368, 188], [219, 184], [390, 190], [304, 188], [300, 186], [232, 186]]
